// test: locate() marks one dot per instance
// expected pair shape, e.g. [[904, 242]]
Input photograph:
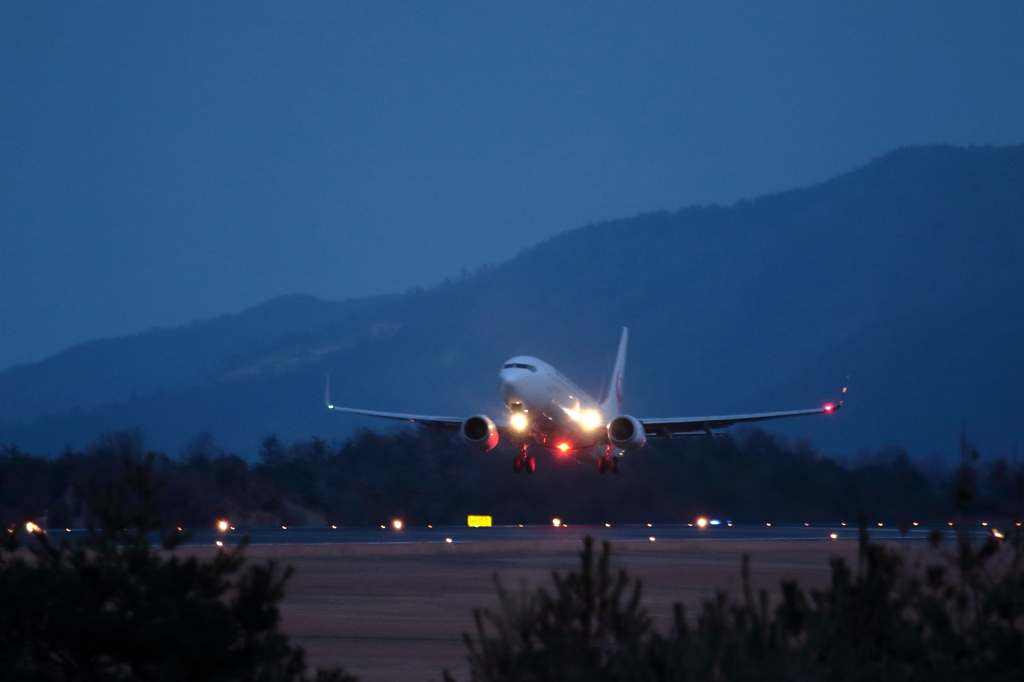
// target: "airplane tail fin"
[[612, 405]]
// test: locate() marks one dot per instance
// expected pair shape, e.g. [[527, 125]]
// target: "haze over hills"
[[907, 274]]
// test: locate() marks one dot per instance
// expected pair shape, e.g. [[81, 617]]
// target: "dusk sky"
[[162, 163]]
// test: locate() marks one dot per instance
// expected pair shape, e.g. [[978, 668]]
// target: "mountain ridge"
[[730, 307]]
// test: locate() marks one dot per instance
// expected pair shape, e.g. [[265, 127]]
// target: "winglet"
[[832, 407], [327, 393]]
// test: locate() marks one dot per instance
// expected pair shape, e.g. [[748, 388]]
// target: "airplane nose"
[[510, 390]]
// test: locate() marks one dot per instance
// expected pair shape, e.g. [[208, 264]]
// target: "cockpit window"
[[520, 365]]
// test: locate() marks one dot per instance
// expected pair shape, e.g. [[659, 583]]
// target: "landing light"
[[590, 419], [556, 522], [397, 524], [223, 525], [519, 421], [32, 528], [702, 522]]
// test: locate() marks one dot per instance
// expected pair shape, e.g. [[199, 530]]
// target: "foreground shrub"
[[960, 618], [112, 607]]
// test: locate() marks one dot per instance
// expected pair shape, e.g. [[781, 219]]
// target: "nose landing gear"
[[524, 461]]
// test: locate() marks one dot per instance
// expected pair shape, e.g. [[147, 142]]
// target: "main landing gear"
[[608, 462], [524, 461]]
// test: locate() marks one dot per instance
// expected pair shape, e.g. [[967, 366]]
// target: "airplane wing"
[[427, 420], [670, 427]]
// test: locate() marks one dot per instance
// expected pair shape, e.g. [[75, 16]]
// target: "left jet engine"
[[480, 432], [626, 432]]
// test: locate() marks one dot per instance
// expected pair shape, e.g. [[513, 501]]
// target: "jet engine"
[[626, 432], [480, 432]]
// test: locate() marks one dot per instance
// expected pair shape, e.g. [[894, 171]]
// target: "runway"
[[306, 535], [392, 604]]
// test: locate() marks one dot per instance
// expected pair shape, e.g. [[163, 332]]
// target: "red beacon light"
[[829, 407], [564, 447]]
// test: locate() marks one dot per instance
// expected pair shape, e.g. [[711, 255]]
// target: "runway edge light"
[[474, 521]]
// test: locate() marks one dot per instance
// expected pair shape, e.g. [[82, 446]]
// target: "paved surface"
[[397, 611], [307, 535]]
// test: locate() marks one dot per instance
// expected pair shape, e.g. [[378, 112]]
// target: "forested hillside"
[[906, 274]]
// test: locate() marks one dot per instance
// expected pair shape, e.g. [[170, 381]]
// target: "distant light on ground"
[[223, 525], [833, 536], [915, 523], [556, 522], [334, 527], [880, 523], [997, 534], [651, 538], [702, 522], [714, 522], [767, 524], [284, 527], [220, 543], [648, 525], [607, 525], [448, 540], [984, 523], [429, 526]]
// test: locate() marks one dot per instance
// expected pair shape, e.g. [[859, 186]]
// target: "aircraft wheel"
[[615, 465], [602, 464], [531, 464], [516, 464]]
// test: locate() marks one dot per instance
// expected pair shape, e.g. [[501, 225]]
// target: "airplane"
[[548, 410]]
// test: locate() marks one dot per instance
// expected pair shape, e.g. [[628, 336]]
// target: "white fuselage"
[[555, 412]]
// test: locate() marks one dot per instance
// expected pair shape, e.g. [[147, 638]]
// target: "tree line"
[[427, 477]]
